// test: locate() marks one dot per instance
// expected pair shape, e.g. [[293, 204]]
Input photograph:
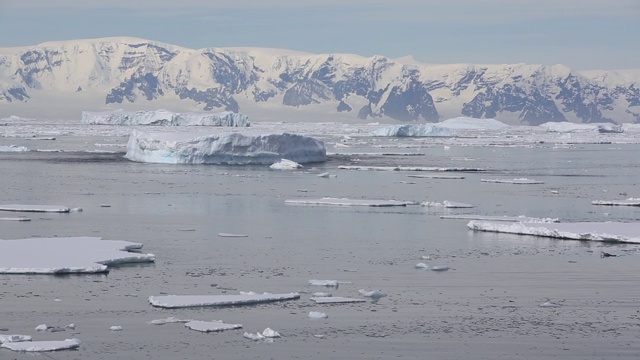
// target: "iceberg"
[[67, 255], [409, 130], [627, 202], [164, 118], [227, 148], [348, 202], [593, 231], [466, 123], [183, 301], [40, 346], [211, 326], [34, 208], [336, 300]]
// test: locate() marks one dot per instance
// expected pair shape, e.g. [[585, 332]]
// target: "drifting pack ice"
[[227, 148], [164, 118], [409, 130]]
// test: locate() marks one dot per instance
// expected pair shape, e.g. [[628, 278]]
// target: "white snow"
[[14, 338], [518, 181], [593, 231], [627, 202], [317, 315], [67, 255], [285, 164], [182, 301], [164, 117], [336, 300], [348, 202], [34, 208], [40, 346], [520, 218], [211, 326], [328, 283], [447, 204], [13, 148], [410, 130], [227, 148], [466, 123]]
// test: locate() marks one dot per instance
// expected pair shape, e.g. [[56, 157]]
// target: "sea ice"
[[627, 202], [231, 235], [13, 148], [520, 181], [409, 168], [520, 218], [466, 123], [411, 130], [348, 202], [270, 333], [14, 219], [421, 266], [593, 231], [14, 338], [336, 300], [321, 294], [328, 283], [317, 315], [443, 177], [67, 255], [40, 346], [257, 336], [228, 148], [165, 118], [211, 326], [34, 208], [169, 320], [285, 164], [447, 204], [42, 327], [182, 301], [548, 304]]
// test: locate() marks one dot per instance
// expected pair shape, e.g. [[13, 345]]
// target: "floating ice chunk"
[[164, 118], [439, 268], [373, 294], [348, 202], [285, 164], [321, 294], [14, 219], [408, 168], [231, 235], [228, 148], [328, 283], [76, 209], [270, 333], [14, 338], [466, 123], [336, 300], [169, 320], [34, 208], [257, 336], [520, 181], [410, 130], [67, 255], [594, 231], [40, 346], [211, 326], [548, 304], [627, 202], [317, 315], [42, 327], [13, 148], [71, 326], [116, 328], [443, 177], [520, 218], [447, 204], [182, 301], [421, 266]]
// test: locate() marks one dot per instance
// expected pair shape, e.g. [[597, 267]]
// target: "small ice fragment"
[[324, 175], [270, 333], [317, 315], [425, 257], [328, 283], [42, 327], [421, 266], [439, 268], [336, 300], [373, 294], [555, 192], [57, 329], [548, 304], [57, 300], [248, 293], [71, 326], [116, 328], [322, 294], [14, 338], [231, 235], [76, 209], [256, 336], [105, 205], [319, 336]]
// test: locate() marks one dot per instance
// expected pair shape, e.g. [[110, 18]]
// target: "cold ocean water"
[[485, 307]]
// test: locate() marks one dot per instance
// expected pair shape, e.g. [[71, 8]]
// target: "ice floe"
[[518, 181], [321, 294], [440, 268], [317, 315], [169, 320], [285, 164], [627, 202], [231, 235], [443, 177], [41, 346], [14, 338], [466, 123], [67, 255], [348, 202], [164, 118], [182, 301], [593, 231], [409, 168], [336, 300], [421, 266], [34, 208], [417, 130], [447, 204], [14, 219], [227, 148], [520, 218], [270, 333], [13, 148], [116, 328], [211, 326], [328, 283]]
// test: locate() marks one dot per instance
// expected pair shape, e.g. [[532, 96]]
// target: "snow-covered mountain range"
[[132, 73]]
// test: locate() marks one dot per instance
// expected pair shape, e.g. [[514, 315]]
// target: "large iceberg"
[[466, 123], [226, 148], [409, 130], [164, 118]]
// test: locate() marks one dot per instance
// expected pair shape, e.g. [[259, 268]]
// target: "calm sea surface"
[[485, 307]]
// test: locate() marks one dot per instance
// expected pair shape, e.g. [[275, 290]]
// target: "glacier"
[[226, 148], [165, 118], [409, 130]]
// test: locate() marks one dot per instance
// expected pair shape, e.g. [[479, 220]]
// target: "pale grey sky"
[[587, 34]]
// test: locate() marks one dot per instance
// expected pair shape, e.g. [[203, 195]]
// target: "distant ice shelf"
[[226, 148], [410, 130], [165, 118], [184, 301]]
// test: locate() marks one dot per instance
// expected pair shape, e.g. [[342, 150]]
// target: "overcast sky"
[[583, 34]]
